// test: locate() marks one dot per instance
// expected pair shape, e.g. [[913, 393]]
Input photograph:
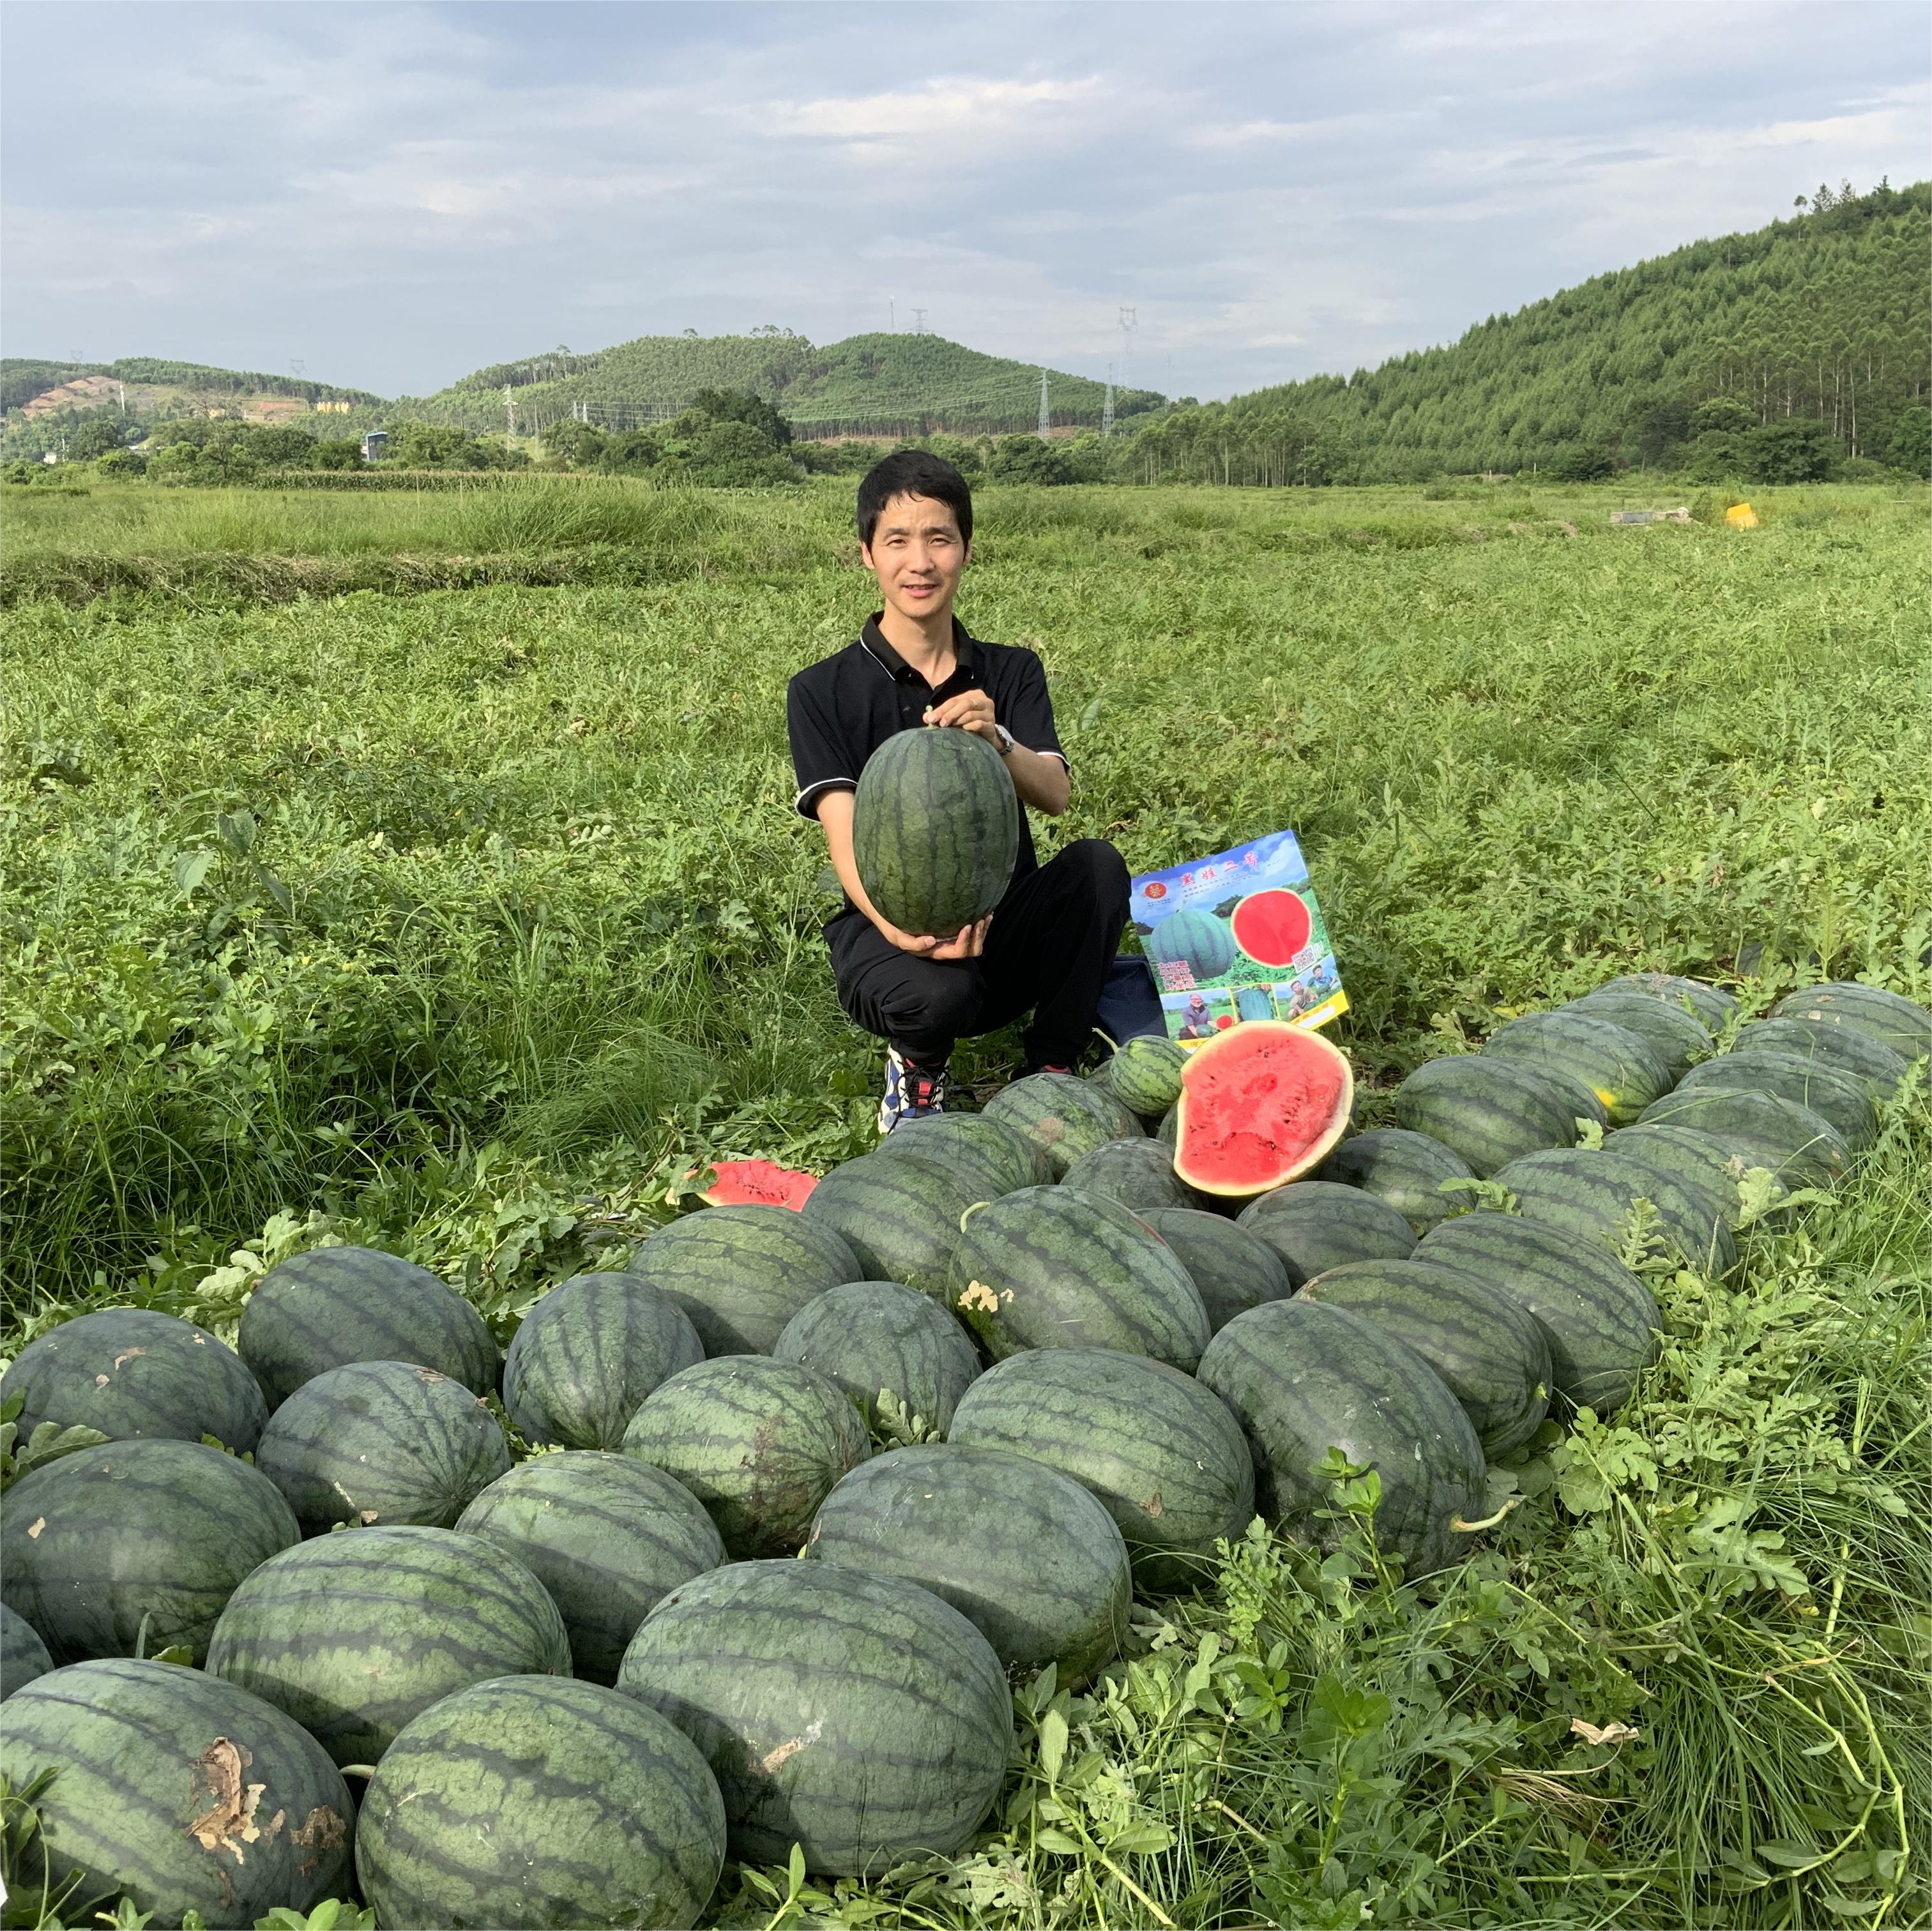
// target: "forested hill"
[[1822, 316], [23, 378], [883, 385]]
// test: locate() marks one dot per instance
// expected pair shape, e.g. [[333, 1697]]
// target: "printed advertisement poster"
[[1237, 936]]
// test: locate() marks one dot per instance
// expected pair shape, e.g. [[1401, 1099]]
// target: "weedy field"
[[460, 909]]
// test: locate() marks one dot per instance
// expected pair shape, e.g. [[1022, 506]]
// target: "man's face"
[[917, 552]]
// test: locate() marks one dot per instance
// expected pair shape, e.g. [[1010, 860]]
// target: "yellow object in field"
[[1741, 516]]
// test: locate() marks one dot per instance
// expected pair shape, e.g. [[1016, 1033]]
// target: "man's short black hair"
[[913, 472]]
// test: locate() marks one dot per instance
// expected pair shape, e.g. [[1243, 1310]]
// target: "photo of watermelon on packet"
[[1236, 936]]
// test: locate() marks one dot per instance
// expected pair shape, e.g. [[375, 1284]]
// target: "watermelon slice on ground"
[[755, 1183], [1261, 1104]]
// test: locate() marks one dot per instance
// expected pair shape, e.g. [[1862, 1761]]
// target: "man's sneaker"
[[912, 1093]]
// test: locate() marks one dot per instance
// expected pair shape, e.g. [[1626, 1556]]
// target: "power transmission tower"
[[298, 366], [1045, 420], [892, 315], [1107, 407], [510, 409], [1130, 320], [919, 322]]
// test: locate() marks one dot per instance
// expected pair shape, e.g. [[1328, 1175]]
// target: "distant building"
[[373, 443]]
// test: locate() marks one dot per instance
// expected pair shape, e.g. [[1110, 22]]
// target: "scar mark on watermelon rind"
[[228, 1823], [776, 1760]]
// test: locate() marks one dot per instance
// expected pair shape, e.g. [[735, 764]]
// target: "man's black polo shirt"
[[839, 711]]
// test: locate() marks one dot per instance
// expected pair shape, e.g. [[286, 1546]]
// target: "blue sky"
[[393, 195]]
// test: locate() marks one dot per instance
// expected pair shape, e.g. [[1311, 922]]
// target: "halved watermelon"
[[1271, 927], [1260, 1105], [755, 1183]]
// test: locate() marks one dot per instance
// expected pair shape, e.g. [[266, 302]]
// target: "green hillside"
[[882, 385], [1822, 317]]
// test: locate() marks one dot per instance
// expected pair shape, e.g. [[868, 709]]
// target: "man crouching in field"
[[1046, 947]]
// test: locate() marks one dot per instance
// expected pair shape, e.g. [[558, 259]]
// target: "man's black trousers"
[[1048, 951]]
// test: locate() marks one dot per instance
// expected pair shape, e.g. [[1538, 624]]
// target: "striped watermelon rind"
[[1601, 1320], [1161, 1453], [1302, 1378], [1711, 1004], [532, 1800], [1844, 1048], [586, 1356], [898, 1212], [1063, 1115], [1032, 1560], [1676, 1036], [1406, 1170], [1488, 1349], [332, 1305], [1143, 1073], [1313, 1226], [133, 1375], [1048, 1268], [898, 1750], [175, 1790], [607, 1535], [882, 1337], [381, 1441], [129, 1536], [739, 1273], [935, 830], [1490, 1111], [1593, 1192], [1893, 1022], [1802, 1148], [1137, 1173], [355, 1634], [759, 1442], [1232, 1270], [1836, 1096], [1619, 1067], [992, 1156], [23, 1655], [1682, 1152]]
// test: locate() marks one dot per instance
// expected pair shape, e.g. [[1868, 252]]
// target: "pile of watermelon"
[[991, 1381]]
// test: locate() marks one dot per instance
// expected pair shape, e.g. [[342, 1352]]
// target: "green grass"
[[466, 919]]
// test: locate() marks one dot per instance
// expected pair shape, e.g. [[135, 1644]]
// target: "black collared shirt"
[[839, 711]]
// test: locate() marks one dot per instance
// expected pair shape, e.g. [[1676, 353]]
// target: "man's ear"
[[865, 555]]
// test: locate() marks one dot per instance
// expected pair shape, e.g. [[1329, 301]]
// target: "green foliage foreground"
[[465, 921]]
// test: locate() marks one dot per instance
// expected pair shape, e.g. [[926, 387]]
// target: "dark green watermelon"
[[133, 1375], [588, 1353], [1167, 1132], [1601, 1320], [1622, 1069], [1710, 1003], [935, 830], [1802, 1148], [898, 1212], [857, 1716], [1834, 1096], [1254, 1002], [355, 1634], [1196, 939], [1139, 1173], [992, 1156], [1024, 1553], [1489, 1111], [531, 1802], [381, 1441], [1302, 1378], [1063, 1115], [1591, 1191], [1161, 1453], [759, 1442], [1143, 1073], [176, 1792], [607, 1535], [101, 1542], [23, 1655], [1896, 1023], [1846, 1049], [881, 1337], [1313, 1226], [1231, 1269], [1489, 1351], [1407, 1170], [739, 1273], [1676, 1034], [332, 1305], [1048, 1268], [1682, 1152]]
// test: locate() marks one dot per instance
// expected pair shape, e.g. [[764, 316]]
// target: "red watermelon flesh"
[[1261, 1104], [1271, 927], [756, 1183]]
